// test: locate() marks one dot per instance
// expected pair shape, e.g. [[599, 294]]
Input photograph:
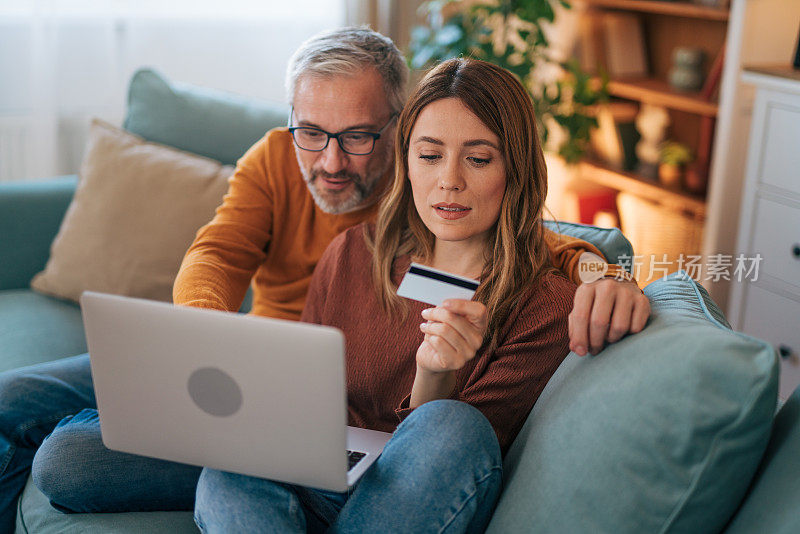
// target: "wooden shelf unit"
[[658, 219], [650, 189], [677, 9], [660, 93]]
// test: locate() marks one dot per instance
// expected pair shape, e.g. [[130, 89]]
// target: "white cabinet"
[[769, 224]]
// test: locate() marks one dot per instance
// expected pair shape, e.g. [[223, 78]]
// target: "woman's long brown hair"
[[516, 253]]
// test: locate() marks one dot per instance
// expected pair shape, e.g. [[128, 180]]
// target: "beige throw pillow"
[[135, 212]]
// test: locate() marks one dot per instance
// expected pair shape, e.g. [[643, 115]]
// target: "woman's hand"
[[453, 334]]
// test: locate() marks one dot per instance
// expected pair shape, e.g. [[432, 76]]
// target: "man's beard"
[[349, 199], [338, 201]]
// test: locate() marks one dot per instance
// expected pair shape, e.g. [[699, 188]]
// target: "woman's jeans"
[[440, 472], [72, 467]]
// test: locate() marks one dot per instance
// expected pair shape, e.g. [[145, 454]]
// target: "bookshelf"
[[660, 93], [641, 186], [678, 9], [660, 27]]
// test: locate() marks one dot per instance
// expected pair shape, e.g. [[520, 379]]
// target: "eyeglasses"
[[352, 142]]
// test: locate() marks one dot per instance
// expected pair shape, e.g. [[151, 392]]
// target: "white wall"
[[63, 62]]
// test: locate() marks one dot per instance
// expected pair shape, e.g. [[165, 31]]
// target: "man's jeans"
[[440, 472], [72, 467]]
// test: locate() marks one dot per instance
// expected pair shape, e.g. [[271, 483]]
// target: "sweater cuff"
[[403, 410], [618, 273]]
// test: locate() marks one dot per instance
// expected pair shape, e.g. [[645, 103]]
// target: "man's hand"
[[604, 311]]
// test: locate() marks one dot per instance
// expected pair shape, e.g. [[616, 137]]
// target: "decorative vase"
[[670, 175], [696, 180], [687, 69], [651, 122]]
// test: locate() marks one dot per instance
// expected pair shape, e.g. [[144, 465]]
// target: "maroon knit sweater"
[[381, 350]]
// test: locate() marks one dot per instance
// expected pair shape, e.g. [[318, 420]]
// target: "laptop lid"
[[251, 395]]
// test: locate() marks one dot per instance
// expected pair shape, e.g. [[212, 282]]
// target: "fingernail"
[[580, 350], [426, 312]]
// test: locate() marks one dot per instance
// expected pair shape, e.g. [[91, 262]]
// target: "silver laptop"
[[261, 397]]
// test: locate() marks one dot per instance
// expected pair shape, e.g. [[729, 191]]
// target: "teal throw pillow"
[[659, 433], [211, 123]]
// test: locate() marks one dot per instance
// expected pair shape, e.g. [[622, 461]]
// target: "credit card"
[[434, 286]]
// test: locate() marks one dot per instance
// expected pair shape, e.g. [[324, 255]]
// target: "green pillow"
[[214, 124], [773, 503], [661, 432]]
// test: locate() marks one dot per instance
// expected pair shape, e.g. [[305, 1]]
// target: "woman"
[[455, 383]]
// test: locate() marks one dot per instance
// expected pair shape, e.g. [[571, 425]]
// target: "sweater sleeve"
[[566, 253], [505, 385], [217, 268]]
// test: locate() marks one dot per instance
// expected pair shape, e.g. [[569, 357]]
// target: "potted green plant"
[[673, 158], [511, 33]]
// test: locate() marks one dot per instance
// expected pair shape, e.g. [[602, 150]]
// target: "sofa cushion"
[[35, 328], [35, 515], [773, 501], [215, 124], [136, 210], [660, 432]]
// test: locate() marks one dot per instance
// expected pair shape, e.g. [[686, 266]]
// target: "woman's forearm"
[[430, 386]]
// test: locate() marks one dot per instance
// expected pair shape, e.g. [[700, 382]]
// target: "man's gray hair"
[[348, 51]]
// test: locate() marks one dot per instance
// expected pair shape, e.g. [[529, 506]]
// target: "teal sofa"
[[670, 430]]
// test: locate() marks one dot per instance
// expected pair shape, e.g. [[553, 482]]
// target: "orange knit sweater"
[[268, 230]]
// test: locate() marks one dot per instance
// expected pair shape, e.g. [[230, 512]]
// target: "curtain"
[[63, 62], [392, 18]]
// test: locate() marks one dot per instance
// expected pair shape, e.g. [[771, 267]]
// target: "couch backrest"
[[30, 215], [611, 242], [212, 123]]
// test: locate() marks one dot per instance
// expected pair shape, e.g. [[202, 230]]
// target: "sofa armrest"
[[30, 216]]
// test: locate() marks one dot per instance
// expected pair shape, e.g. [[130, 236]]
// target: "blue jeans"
[[72, 467], [440, 472]]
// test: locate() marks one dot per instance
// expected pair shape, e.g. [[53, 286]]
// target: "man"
[[291, 194], [343, 85]]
